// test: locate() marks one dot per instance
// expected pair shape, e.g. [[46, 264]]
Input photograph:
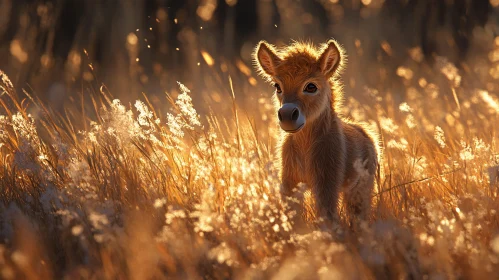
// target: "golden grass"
[[128, 194]]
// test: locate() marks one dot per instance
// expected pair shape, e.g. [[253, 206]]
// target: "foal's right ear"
[[266, 59]]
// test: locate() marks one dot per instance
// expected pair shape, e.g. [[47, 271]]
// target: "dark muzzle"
[[290, 117]]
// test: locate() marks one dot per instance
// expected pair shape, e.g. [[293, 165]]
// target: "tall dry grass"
[[127, 192]]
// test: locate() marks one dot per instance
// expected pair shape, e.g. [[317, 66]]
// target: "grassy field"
[[118, 191]]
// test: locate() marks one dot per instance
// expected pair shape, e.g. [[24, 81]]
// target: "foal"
[[316, 146]]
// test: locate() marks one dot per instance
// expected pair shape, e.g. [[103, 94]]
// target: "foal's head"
[[303, 77]]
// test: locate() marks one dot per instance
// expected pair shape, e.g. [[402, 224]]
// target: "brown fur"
[[329, 154]]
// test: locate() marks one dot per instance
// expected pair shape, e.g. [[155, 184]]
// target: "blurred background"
[[62, 50]]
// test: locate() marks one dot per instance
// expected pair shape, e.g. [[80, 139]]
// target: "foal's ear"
[[266, 59], [330, 59]]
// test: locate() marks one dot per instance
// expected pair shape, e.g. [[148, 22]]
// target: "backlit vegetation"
[[137, 195], [100, 188]]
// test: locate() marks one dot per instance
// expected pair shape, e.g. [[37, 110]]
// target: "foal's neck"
[[326, 122]]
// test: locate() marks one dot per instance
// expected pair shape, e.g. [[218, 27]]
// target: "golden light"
[[132, 39], [17, 51], [46, 60], [243, 68], [206, 9], [207, 58], [74, 58], [404, 72], [387, 48], [252, 81]]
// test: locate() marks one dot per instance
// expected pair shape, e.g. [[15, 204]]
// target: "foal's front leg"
[[326, 171], [290, 178]]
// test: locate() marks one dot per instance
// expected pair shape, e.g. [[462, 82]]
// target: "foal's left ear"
[[266, 59], [330, 58]]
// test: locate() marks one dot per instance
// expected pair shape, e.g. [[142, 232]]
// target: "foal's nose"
[[288, 113], [290, 117]]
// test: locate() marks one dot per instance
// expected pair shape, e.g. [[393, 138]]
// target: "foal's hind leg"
[[358, 200]]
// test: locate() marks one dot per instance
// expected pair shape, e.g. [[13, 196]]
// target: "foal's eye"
[[310, 88], [277, 88]]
